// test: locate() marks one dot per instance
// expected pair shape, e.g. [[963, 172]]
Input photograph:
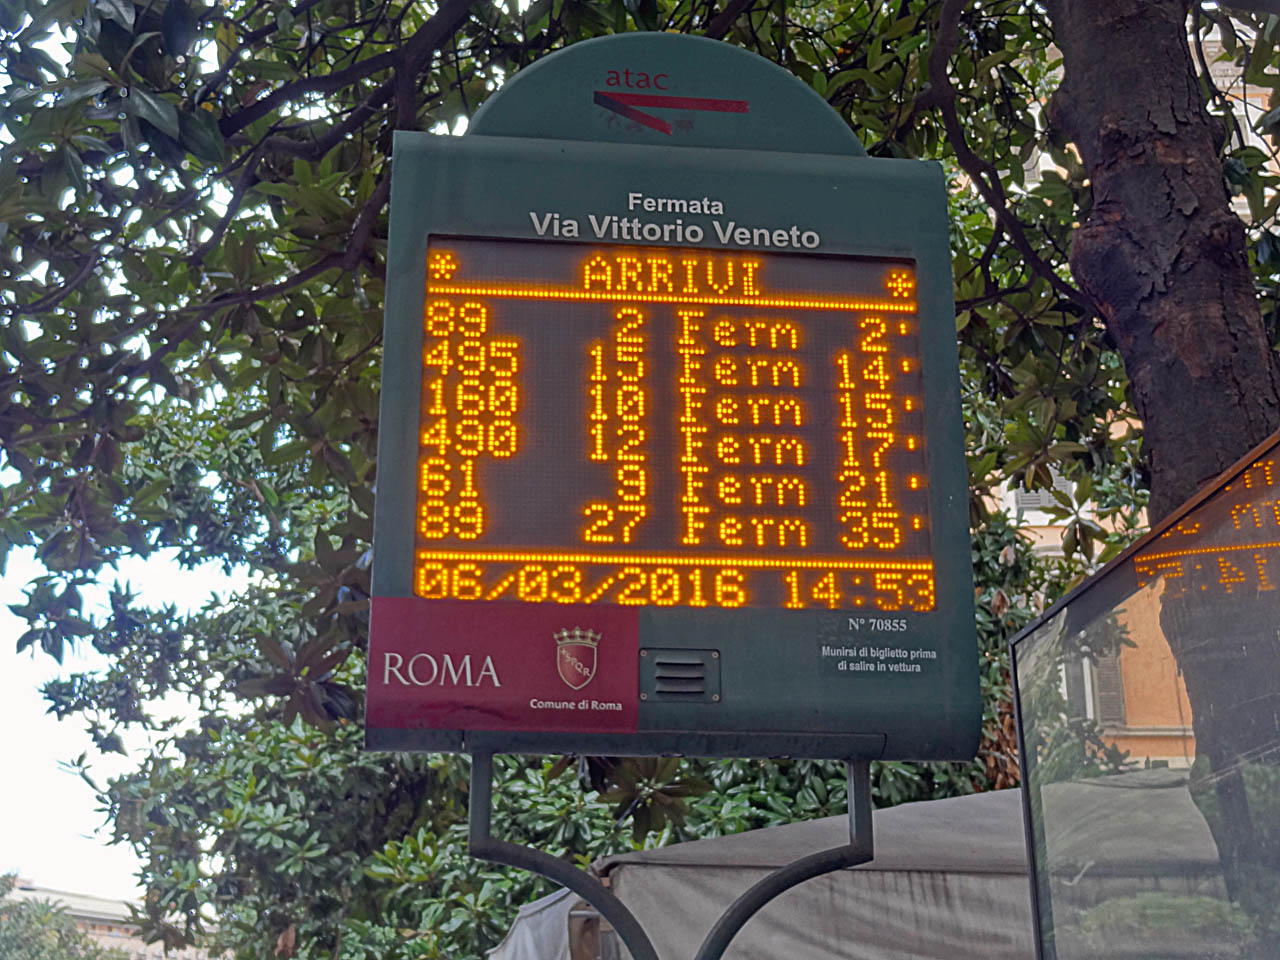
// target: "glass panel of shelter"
[[1149, 707]]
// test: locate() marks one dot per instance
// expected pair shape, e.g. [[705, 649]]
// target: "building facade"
[[106, 922]]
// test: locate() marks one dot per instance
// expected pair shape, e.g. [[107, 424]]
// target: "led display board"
[[671, 427], [1229, 546], [669, 454]]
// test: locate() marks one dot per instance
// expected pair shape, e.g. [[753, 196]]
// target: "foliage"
[[193, 214], [1256, 785], [1210, 927], [42, 930], [303, 844]]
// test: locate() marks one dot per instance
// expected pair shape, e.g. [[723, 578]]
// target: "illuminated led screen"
[[671, 427], [1230, 544]]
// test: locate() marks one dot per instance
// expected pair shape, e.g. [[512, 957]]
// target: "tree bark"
[[1165, 258], [1162, 252]]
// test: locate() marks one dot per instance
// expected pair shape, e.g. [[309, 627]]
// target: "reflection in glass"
[[1149, 707]]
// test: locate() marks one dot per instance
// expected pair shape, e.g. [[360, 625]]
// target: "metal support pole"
[[860, 849], [484, 847]]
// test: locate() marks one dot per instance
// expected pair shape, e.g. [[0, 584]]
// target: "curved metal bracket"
[[483, 846]]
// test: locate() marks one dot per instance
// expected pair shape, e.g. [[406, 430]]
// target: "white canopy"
[[949, 880]]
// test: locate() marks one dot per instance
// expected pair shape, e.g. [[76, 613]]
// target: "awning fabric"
[[949, 881], [540, 930]]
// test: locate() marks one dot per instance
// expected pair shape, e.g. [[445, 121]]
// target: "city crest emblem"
[[576, 656]]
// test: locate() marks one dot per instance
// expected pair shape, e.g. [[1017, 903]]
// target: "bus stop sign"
[[670, 456]]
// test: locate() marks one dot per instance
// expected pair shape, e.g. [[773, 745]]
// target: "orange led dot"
[[597, 269], [442, 265], [908, 404], [660, 273], [911, 443], [916, 523], [906, 366], [902, 329], [900, 283], [598, 285], [629, 272], [913, 483]]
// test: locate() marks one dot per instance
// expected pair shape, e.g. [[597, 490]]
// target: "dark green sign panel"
[[670, 454]]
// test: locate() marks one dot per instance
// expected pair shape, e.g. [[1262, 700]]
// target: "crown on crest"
[[577, 635]]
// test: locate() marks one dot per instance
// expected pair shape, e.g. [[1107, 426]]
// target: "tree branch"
[[448, 18], [218, 77], [55, 297], [318, 147], [346, 259], [247, 179], [942, 95], [362, 232], [327, 84], [723, 21], [1206, 75]]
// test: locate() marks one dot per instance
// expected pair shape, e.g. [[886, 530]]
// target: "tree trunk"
[[1164, 257], [1162, 252]]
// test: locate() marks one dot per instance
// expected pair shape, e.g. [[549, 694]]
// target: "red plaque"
[[441, 665]]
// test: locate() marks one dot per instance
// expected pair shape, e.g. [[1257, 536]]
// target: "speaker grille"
[[677, 675]]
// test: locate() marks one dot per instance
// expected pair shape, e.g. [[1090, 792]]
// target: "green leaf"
[[201, 137], [273, 651], [272, 686], [75, 92], [178, 27], [225, 37], [288, 453], [151, 491], [340, 464], [247, 419], [153, 108], [41, 59], [112, 743], [839, 82], [75, 170], [11, 15], [644, 13]]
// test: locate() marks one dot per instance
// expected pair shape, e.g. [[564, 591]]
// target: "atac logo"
[[576, 656]]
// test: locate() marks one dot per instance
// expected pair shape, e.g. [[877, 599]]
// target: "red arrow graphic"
[[624, 105]]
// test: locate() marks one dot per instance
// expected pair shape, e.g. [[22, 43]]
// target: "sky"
[[51, 831], [49, 823]]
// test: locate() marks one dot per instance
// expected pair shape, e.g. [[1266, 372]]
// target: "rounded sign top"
[[665, 89]]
